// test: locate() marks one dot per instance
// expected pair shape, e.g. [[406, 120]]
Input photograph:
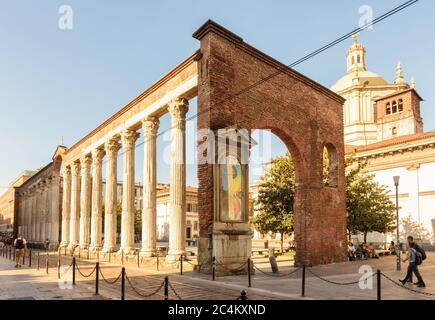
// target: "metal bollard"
[[37, 262], [74, 271], [166, 288], [249, 272], [303, 281], [378, 286], [123, 283], [157, 263], [14, 255], [181, 265], [97, 277], [213, 267], [243, 295], [138, 258], [46, 262], [58, 264], [30, 258]]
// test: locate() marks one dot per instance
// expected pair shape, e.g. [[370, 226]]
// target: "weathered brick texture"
[[302, 113]]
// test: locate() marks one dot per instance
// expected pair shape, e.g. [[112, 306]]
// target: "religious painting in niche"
[[231, 193]]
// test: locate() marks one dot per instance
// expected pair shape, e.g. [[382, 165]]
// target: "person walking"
[[20, 247], [415, 258]]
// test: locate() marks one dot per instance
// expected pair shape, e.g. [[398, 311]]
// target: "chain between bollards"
[[249, 272], [303, 281], [378, 285], [123, 283], [213, 267], [74, 270], [166, 288], [97, 277]]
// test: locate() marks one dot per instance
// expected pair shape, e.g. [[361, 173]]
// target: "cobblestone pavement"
[[322, 282]]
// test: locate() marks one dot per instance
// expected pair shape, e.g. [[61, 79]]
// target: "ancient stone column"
[[177, 229], [66, 206], [75, 204], [111, 147], [33, 214], [54, 209], [129, 138], [149, 211], [43, 212], [85, 201], [38, 213], [97, 198]]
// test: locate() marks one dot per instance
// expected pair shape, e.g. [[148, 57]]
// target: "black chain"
[[141, 294], [110, 282], [86, 276], [173, 290], [276, 275], [409, 289], [240, 268], [337, 283]]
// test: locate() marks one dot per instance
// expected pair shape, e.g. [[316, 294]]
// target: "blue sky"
[[57, 85]]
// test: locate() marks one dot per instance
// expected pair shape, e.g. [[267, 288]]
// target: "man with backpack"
[[415, 256], [20, 246]]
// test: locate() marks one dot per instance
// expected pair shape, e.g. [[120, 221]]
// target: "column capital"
[[67, 170], [112, 146], [129, 138], [86, 161], [97, 156], [75, 167], [178, 109], [150, 126]]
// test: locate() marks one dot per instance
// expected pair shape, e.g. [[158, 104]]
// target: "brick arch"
[[301, 112]]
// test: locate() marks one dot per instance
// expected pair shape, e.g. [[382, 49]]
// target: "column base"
[[108, 249], [84, 246], [64, 244], [148, 253], [127, 251], [95, 247], [174, 255]]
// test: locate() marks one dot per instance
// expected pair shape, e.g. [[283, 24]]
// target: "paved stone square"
[[30, 283]]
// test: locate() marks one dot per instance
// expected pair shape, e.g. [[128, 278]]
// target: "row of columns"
[[83, 199], [38, 215]]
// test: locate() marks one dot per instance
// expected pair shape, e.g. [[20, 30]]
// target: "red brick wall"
[[299, 111]]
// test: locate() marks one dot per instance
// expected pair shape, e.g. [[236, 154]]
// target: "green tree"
[[368, 206], [275, 199]]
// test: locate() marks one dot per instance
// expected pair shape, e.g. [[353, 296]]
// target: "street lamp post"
[[396, 183]]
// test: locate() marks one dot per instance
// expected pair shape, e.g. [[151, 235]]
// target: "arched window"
[[388, 108], [394, 108], [394, 131], [330, 166], [400, 107], [353, 60], [358, 59]]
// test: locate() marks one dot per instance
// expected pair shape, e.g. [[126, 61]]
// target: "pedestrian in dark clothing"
[[414, 258]]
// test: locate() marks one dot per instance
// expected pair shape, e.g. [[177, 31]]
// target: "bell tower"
[[356, 60]]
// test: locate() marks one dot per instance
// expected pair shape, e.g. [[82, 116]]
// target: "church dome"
[[364, 78]]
